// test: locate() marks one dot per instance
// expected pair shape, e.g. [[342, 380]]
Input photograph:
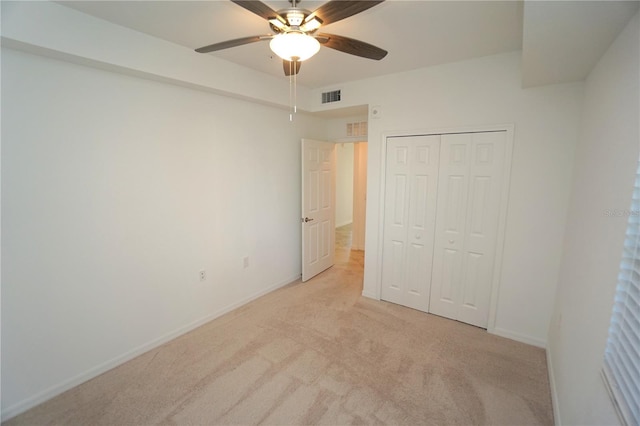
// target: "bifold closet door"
[[469, 197], [411, 186]]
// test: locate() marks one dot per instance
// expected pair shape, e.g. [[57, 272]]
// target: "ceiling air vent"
[[333, 96]]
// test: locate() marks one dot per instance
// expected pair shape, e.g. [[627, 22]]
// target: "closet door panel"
[[422, 217], [410, 211], [485, 177], [467, 225], [448, 259], [396, 219]]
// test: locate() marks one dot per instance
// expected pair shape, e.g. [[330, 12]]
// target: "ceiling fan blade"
[[257, 7], [335, 10], [230, 43], [351, 46], [291, 67]]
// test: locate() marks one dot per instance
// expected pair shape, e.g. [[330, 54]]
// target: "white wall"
[[481, 92], [344, 184], [116, 191], [50, 29], [606, 162]]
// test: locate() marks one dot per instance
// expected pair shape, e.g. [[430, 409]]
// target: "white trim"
[[554, 391], [351, 139], [502, 228], [495, 285], [91, 373], [481, 128], [370, 295], [523, 338]]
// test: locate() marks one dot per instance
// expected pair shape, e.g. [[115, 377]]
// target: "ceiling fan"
[[296, 38]]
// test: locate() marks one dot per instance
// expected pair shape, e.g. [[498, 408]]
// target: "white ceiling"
[[563, 40], [416, 33]]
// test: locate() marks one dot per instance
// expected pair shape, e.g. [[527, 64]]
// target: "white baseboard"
[[348, 222], [370, 295], [64, 386], [554, 391], [519, 337]]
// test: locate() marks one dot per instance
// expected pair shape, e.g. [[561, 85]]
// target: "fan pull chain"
[[290, 93], [293, 88]]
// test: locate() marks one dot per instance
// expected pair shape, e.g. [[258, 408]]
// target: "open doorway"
[[351, 174]]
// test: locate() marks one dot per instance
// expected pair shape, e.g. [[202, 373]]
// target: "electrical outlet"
[[203, 275], [245, 262]]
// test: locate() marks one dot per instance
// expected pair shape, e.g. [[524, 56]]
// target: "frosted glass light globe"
[[294, 46]]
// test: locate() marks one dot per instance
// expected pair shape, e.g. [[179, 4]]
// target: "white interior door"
[[411, 186], [470, 185], [318, 207]]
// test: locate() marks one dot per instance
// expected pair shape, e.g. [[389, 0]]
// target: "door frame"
[[360, 154], [504, 201], [360, 166]]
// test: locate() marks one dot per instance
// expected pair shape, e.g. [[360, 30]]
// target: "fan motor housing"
[[294, 17]]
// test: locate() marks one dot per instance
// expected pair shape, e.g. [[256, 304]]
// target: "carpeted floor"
[[318, 353]]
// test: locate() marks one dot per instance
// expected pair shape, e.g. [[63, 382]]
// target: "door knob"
[[306, 219]]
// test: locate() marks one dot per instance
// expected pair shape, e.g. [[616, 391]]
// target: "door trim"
[[504, 203]]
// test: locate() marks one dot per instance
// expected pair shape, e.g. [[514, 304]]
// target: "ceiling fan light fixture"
[[277, 23], [294, 46], [295, 18], [312, 23]]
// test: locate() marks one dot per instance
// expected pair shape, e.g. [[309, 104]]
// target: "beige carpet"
[[318, 353]]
